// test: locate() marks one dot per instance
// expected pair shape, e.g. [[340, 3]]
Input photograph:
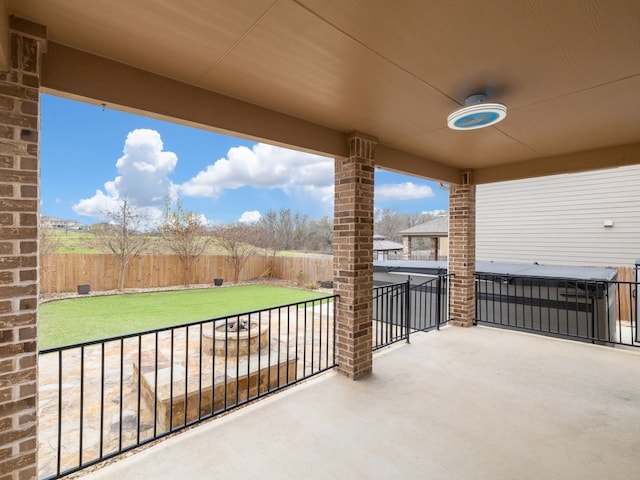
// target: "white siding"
[[560, 219]]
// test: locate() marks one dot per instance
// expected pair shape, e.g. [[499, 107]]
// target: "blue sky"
[[92, 158]]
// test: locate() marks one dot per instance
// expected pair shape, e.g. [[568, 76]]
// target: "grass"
[[76, 320], [84, 243], [73, 242]]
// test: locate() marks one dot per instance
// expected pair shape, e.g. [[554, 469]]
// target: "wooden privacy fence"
[[64, 272], [304, 270], [626, 296]]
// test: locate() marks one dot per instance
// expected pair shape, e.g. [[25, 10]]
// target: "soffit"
[[568, 71]]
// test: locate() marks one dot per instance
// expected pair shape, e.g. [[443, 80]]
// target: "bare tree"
[[184, 234], [235, 241], [278, 231], [300, 231], [320, 235], [390, 223], [122, 235]]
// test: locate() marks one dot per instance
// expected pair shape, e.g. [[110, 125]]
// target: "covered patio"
[[372, 85], [455, 403]]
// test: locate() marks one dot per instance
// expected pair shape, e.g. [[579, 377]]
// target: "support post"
[[19, 209], [438, 301], [462, 254], [433, 248], [352, 254], [407, 308], [406, 247]]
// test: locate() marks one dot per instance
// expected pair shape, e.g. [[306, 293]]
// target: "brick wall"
[[352, 254], [434, 246], [406, 248], [19, 112], [462, 253]]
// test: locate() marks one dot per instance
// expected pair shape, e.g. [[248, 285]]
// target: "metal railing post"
[[407, 308], [635, 313], [438, 301]]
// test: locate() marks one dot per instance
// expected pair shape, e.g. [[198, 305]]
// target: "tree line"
[[183, 233]]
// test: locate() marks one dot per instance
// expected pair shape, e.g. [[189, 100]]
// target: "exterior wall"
[[19, 123], [462, 261], [560, 219], [444, 247], [409, 253], [352, 254]]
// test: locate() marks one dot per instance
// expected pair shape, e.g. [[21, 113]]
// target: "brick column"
[[406, 247], [352, 254], [462, 254], [433, 248], [19, 206]]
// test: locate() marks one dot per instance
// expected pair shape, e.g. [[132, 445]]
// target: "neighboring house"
[[588, 218], [384, 249], [435, 232], [55, 223]]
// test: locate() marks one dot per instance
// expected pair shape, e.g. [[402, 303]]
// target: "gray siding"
[[560, 219]]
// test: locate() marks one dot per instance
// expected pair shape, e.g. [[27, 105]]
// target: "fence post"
[[407, 307]]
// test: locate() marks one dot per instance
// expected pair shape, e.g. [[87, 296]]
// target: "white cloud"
[[323, 194], [435, 212], [143, 178], [403, 191], [97, 205], [263, 166], [250, 217]]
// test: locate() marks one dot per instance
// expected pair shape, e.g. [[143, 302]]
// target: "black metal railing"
[[603, 312], [402, 308], [390, 319], [102, 398]]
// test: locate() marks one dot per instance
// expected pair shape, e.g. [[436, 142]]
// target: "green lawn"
[[70, 321], [72, 242]]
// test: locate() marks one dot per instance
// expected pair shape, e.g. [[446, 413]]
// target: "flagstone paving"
[[71, 382]]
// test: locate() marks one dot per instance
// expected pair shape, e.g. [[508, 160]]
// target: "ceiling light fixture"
[[476, 114]]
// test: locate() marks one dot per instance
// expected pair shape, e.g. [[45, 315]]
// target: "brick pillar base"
[[19, 110], [352, 254], [462, 254]]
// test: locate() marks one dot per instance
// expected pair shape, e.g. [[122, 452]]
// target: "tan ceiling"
[[306, 72]]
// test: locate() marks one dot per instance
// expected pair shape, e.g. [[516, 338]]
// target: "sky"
[[93, 157]]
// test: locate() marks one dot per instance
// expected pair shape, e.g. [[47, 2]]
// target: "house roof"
[[380, 243], [306, 73], [437, 227]]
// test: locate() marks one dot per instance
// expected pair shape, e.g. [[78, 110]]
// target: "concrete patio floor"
[[478, 403]]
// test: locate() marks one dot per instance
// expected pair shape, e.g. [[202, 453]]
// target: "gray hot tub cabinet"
[[573, 301]]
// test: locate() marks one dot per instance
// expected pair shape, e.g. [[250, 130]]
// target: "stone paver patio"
[[136, 408]]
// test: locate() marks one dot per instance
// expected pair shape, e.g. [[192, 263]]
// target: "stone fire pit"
[[236, 337], [245, 362]]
